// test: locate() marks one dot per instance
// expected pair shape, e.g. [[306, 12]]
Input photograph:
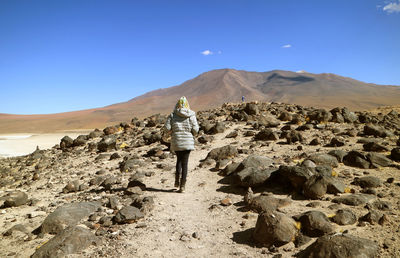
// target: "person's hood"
[[184, 112]]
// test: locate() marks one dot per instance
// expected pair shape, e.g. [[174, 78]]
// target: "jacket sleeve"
[[167, 124], [194, 124]]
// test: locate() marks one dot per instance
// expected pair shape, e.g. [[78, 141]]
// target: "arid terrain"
[[265, 180], [214, 88]]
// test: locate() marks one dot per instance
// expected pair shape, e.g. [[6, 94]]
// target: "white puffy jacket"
[[183, 124]]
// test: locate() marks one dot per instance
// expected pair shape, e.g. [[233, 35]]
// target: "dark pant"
[[182, 164]]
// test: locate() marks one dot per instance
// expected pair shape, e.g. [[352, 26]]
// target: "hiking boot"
[[182, 187], [176, 181]]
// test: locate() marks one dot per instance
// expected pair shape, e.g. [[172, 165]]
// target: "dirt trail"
[[190, 224]]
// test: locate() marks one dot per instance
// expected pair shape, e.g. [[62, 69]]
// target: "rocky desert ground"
[[265, 180]]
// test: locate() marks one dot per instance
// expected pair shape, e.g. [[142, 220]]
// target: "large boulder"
[[315, 224], [343, 246], [274, 228], [67, 215], [69, 241]]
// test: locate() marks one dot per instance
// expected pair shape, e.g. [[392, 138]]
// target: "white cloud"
[[219, 52], [393, 7], [207, 52], [287, 46]]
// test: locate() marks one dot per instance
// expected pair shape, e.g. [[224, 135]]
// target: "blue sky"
[[66, 55]]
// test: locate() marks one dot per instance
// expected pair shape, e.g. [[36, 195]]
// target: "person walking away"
[[183, 124], [242, 98]]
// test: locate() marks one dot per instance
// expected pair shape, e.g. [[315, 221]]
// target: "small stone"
[[226, 202]]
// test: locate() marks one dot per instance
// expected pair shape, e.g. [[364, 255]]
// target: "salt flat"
[[22, 144]]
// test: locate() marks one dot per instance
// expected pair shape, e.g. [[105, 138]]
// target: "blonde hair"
[[182, 103]]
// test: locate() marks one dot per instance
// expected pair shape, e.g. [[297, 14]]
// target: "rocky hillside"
[[214, 88], [266, 179]]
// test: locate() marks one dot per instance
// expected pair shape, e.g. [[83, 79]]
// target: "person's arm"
[[167, 124], [195, 125]]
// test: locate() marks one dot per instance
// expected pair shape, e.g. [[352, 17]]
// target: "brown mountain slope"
[[214, 88]]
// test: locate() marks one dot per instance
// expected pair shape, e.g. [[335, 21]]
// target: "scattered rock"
[[315, 224], [274, 229], [128, 214], [67, 215], [350, 247], [71, 240]]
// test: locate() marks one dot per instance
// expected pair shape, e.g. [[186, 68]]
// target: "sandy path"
[[172, 227]]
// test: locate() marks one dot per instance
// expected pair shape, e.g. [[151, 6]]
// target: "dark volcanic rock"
[[224, 152], [14, 199], [375, 130], [253, 177], [267, 135], [320, 115], [296, 175], [255, 161], [128, 164], [324, 159], [395, 154], [315, 224], [69, 241], [356, 159], [372, 217], [66, 142], [378, 160], [128, 214], [338, 154], [373, 146], [266, 202], [344, 217], [337, 142], [343, 246], [294, 136], [251, 109], [274, 228], [67, 215], [80, 140], [315, 187], [354, 199], [205, 139], [108, 143], [268, 121], [368, 182]]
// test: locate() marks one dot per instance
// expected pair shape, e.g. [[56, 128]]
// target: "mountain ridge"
[[215, 87]]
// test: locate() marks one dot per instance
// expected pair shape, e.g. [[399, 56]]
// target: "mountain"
[[213, 88]]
